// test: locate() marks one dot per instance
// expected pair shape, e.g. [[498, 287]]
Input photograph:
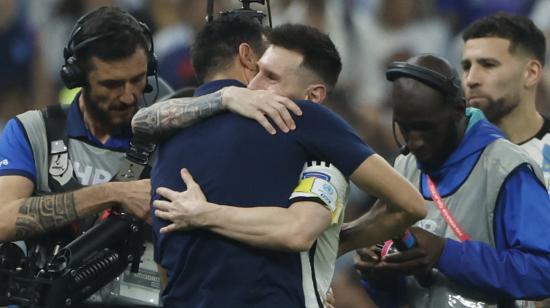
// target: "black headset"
[[450, 87], [71, 73]]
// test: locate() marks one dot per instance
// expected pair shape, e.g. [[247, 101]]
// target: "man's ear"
[[533, 73], [316, 93], [247, 56]]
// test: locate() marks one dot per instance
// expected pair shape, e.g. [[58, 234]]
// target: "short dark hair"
[[320, 54], [123, 35], [519, 30], [218, 42]]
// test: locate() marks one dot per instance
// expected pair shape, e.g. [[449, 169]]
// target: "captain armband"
[[323, 183]]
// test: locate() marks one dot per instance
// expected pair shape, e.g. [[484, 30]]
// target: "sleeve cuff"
[[19, 172], [450, 257]]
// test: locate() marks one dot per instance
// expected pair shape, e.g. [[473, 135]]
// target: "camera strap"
[[60, 169], [445, 213]]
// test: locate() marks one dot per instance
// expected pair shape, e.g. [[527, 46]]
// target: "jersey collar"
[[76, 128], [213, 86]]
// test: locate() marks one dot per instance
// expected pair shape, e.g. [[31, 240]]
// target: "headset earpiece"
[[71, 74], [152, 62]]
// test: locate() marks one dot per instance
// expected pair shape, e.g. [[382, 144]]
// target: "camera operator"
[[56, 165]]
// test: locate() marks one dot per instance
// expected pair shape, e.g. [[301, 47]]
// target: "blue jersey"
[[236, 162]]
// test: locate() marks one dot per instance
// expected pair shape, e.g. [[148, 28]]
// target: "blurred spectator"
[[23, 84], [541, 17], [176, 22], [462, 13], [54, 36], [397, 30]]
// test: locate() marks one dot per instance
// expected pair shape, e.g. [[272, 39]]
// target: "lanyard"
[[444, 210]]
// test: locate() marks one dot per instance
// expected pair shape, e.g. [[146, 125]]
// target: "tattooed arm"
[[23, 216], [160, 120], [41, 214], [163, 118]]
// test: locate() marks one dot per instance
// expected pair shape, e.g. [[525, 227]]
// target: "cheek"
[[292, 90], [505, 81], [102, 98], [257, 84]]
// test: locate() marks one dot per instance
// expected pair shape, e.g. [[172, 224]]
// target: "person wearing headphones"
[[97, 131], [484, 241], [57, 164]]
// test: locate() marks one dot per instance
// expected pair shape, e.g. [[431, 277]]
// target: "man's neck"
[[222, 76], [522, 123], [95, 129], [233, 71]]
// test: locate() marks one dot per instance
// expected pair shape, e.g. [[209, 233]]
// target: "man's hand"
[[134, 197], [329, 300], [419, 259], [183, 209], [261, 104], [366, 262]]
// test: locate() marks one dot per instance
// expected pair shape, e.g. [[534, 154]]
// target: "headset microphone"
[[403, 148]]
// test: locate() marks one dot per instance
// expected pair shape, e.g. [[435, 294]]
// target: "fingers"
[[286, 121], [163, 215], [278, 112], [291, 105], [404, 256], [187, 178], [169, 228], [363, 265], [330, 300], [162, 205], [264, 122], [167, 193], [367, 254]]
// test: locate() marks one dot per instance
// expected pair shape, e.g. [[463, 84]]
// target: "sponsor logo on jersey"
[[316, 174]]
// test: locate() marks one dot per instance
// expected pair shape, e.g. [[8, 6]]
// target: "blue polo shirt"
[[16, 157], [236, 162]]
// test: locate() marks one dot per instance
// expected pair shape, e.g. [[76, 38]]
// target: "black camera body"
[[77, 270]]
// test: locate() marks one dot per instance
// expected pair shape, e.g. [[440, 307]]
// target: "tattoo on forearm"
[[45, 213], [163, 118]]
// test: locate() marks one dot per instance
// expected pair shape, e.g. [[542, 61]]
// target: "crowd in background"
[[368, 33]]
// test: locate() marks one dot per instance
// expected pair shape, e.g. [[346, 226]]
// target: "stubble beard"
[[103, 119], [496, 110]]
